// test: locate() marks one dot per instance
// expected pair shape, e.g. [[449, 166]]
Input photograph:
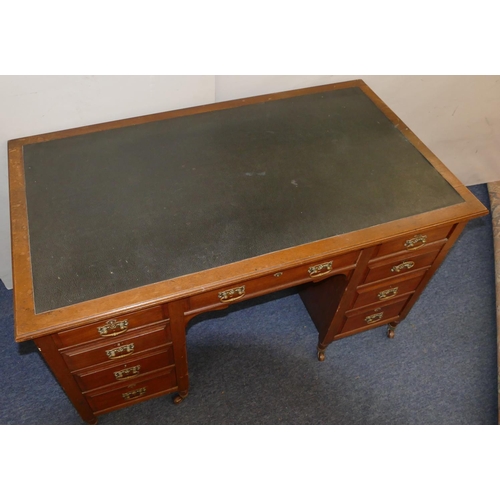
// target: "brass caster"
[[179, 398], [391, 331], [321, 354]]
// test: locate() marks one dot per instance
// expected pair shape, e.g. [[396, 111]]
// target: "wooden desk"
[[124, 231]]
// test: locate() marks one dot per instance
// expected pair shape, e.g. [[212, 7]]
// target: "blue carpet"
[[256, 362]]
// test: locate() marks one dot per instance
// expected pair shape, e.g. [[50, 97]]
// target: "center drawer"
[[279, 280]]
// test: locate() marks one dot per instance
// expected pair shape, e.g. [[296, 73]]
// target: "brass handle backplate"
[[404, 265], [320, 269], [374, 318], [416, 242], [127, 373], [137, 393], [387, 294], [233, 294], [112, 328], [120, 352]]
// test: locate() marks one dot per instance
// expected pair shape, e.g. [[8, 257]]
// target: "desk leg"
[[391, 329], [321, 354], [176, 312], [322, 300], [328, 300]]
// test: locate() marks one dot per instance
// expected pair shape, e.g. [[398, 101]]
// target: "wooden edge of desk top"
[[166, 115], [29, 325]]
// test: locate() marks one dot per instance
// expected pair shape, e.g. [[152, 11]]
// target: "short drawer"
[[126, 347], [402, 264], [141, 365], [413, 242], [372, 317], [162, 382], [111, 328], [275, 281], [388, 290]]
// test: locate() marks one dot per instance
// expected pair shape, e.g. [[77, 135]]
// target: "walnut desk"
[[122, 232]]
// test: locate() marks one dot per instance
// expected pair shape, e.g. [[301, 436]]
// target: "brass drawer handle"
[[233, 294], [320, 269], [387, 294], [126, 373], [416, 242], [137, 393], [112, 328], [374, 318], [120, 352], [404, 265]]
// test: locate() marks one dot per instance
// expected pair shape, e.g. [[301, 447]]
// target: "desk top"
[[124, 205]]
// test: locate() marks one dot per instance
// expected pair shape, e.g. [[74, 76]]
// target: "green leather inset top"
[[117, 209]]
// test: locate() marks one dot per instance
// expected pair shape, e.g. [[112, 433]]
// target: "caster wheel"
[[178, 398], [391, 332], [321, 355]]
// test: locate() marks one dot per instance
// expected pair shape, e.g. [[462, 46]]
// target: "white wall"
[[458, 117]]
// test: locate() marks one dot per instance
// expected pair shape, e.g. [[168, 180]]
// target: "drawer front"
[[381, 293], [162, 383], [125, 348], [115, 327], [414, 242], [276, 281], [371, 318], [403, 264], [141, 365]]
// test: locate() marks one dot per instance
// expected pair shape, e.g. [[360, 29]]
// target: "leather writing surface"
[[117, 209]]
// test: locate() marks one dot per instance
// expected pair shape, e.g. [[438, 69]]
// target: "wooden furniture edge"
[[29, 325], [176, 113], [23, 298], [451, 178]]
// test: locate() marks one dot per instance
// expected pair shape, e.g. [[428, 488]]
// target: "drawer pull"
[[137, 393], [320, 269], [233, 294], [416, 242], [120, 352], [113, 328], [387, 294], [404, 265], [127, 373], [374, 318]]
